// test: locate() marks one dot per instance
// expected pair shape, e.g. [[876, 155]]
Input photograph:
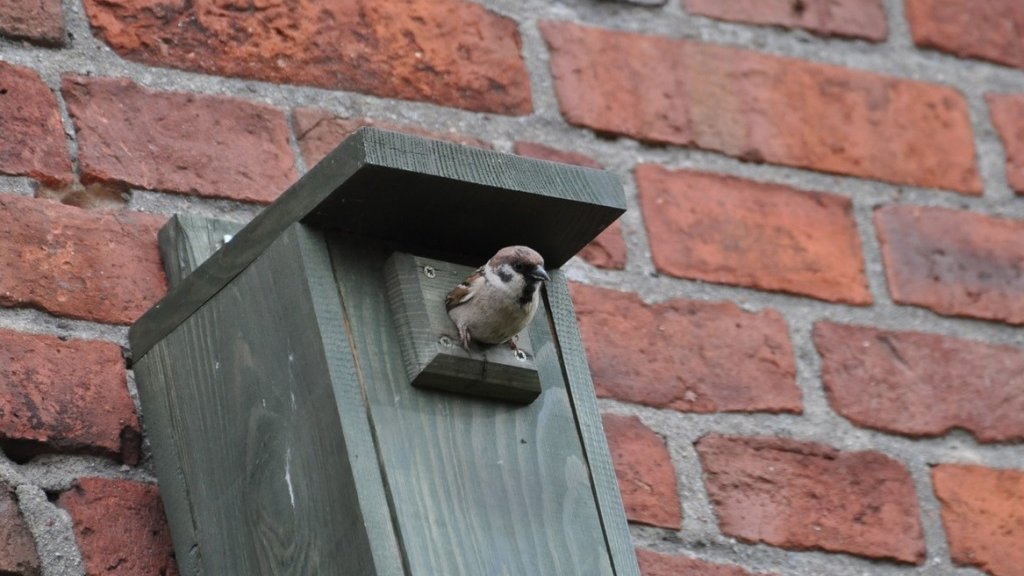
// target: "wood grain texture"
[[476, 487], [244, 415], [429, 340], [154, 397], [591, 431], [187, 240], [417, 193], [351, 404]]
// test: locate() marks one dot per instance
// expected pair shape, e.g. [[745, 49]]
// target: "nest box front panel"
[[476, 485]]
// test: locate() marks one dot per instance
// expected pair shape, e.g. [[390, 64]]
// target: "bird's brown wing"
[[464, 292]]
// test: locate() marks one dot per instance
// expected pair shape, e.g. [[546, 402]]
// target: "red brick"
[[989, 30], [38, 21], [922, 384], [17, 549], [179, 142], [33, 142], [864, 19], [728, 230], [1007, 111], [763, 108], [655, 564], [808, 496], [647, 479], [685, 355], [103, 267], [608, 250], [68, 396], [450, 52], [954, 262], [120, 527], [983, 513], [319, 132]]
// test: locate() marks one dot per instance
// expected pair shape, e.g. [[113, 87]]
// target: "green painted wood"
[[429, 341], [245, 401], [434, 198], [476, 487], [351, 404], [591, 431], [187, 240], [154, 397]]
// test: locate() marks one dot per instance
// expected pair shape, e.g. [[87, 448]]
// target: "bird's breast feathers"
[[490, 308]]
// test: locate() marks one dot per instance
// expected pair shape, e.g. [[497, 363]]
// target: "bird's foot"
[[516, 350]]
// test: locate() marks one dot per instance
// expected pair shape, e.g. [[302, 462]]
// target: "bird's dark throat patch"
[[528, 290]]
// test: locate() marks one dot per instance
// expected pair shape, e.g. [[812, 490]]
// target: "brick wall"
[[805, 333]]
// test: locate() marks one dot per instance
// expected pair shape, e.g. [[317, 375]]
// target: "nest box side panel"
[[240, 403], [477, 486]]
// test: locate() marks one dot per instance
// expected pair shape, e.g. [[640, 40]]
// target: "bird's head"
[[521, 261]]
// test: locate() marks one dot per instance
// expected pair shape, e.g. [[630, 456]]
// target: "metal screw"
[[445, 341], [520, 355], [429, 271]]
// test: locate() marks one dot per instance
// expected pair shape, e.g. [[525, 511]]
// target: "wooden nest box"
[[309, 408]]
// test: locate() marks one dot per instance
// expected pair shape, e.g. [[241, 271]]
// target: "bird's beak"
[[538, 273]]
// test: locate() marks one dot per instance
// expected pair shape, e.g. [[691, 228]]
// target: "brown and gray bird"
[[495, 303]]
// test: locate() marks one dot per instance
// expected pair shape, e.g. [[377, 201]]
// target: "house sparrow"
[[496, 302]]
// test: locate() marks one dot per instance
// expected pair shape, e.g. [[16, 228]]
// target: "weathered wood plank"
[[476, 486], [254, 424], [588, 420], [414, 192], [350, 403], [187, 240], [155, 400], [429, 340]]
